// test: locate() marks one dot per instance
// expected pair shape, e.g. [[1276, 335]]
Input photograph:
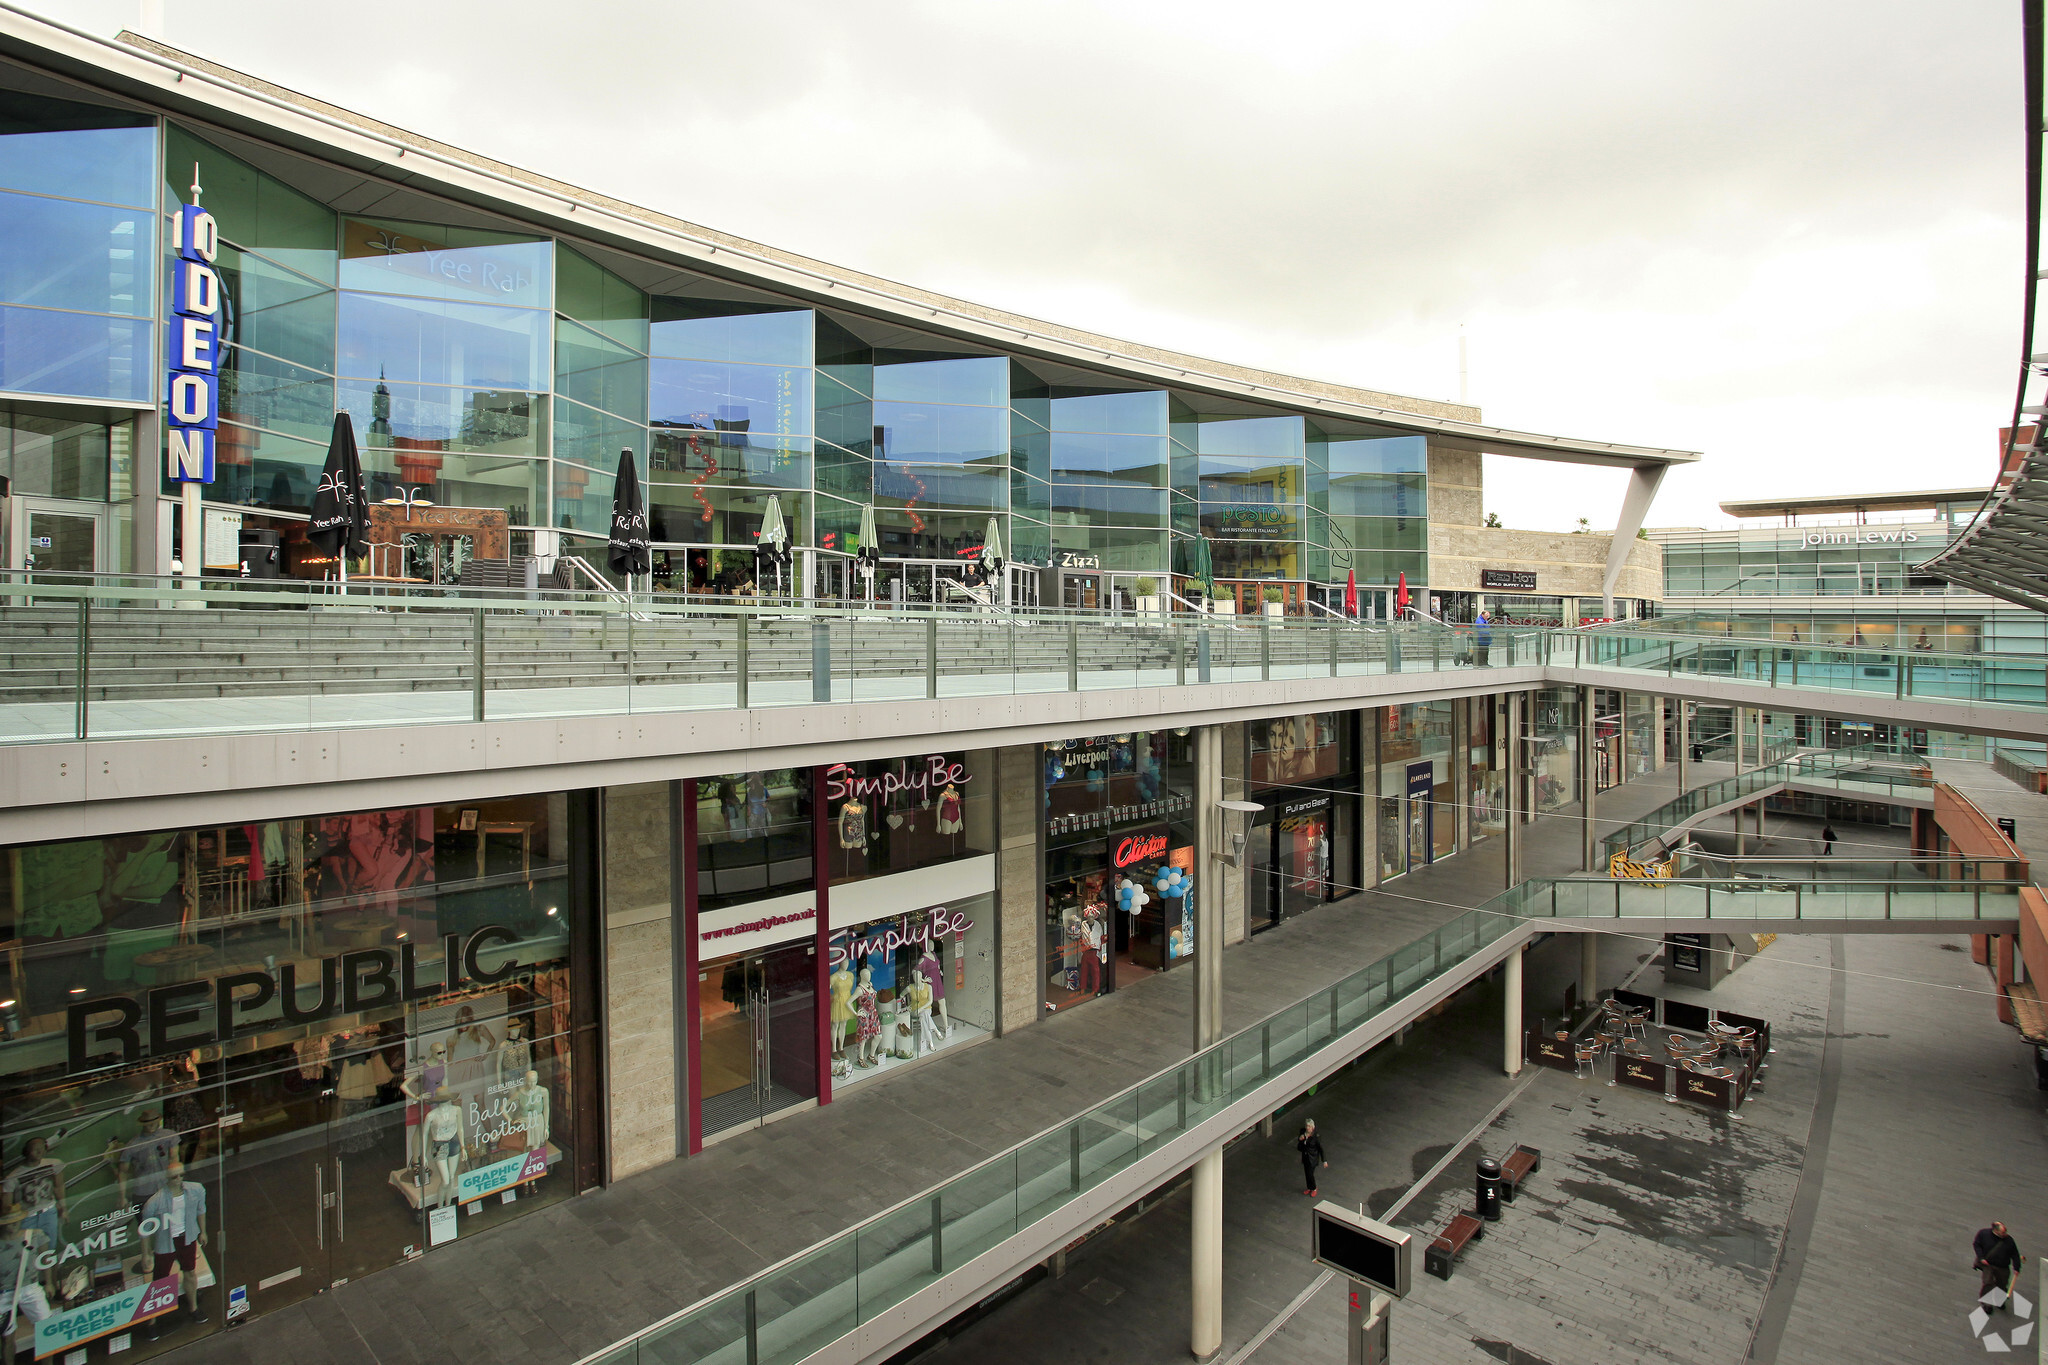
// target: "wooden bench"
[[1522, 1163], [1451, 1244]]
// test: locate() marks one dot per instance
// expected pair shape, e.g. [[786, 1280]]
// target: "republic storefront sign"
[[172, 1018], [103, 1317]]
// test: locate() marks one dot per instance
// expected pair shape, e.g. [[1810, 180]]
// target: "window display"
[[227, 1045], [905, 987], [900, 814], [754, 836]]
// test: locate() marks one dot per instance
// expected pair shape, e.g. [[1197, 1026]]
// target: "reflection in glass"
[[82, 151], [459, 264], [426, 417], [62, 254], [81, 355], [428, 342]]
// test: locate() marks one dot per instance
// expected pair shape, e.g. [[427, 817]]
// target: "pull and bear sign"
[[192, 401]]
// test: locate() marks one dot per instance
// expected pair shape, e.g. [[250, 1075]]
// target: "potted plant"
[[1147, 591], [1222, 603], [1274, 606]]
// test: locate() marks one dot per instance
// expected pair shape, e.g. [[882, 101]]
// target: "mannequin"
[[445, 1133], [949, 810], [868, 1013], [534, 1112], [515, 1054], [421, 1081], [922, 1039], [933, 973], [853, 825], [841, 984]]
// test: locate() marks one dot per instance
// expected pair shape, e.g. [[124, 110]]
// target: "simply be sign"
[[192, 350]]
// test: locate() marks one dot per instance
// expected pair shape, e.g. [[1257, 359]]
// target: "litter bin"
[[2009, 828], [262, 554], [1489, 1189]]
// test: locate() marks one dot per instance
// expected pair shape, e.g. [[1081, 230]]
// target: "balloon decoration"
[[1130, 897], [1174, 883]]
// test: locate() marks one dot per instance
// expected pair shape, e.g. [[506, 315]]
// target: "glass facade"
[[226, 1045], [492, 369], [1417, 802]]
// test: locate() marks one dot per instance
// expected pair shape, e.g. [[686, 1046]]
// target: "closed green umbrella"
[[774, 537], [1202, 568]]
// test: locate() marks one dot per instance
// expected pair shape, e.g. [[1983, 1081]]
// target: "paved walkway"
[[568, 1280]]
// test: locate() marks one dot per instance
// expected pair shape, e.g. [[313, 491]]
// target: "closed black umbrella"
[[341, 510], [628, 553]]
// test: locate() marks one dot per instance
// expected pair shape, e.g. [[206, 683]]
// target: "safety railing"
[[1901, 674], [1786, 896], [115, 659], [1869, 771]]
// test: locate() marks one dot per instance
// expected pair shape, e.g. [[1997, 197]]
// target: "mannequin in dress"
[[841, 984], [867, 1012], [533, 1111], [515, 1054], [444, 1133], [471, 1038], [933, 973], [922, 1039]]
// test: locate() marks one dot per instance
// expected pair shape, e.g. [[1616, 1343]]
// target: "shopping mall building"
[[383, 986]]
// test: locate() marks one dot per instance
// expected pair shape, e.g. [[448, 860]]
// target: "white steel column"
[[1511, 833], [1205, 1328], [1589, 967], [1206, 1333], [1511, 1014], [1684, 743], [1589, 778]]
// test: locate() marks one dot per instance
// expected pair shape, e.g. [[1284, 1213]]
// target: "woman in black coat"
[[1311, 1148]]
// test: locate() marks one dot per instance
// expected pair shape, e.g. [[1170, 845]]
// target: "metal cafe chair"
[[1583, 1054]]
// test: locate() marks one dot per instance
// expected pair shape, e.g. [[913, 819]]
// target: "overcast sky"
[[1788, 236]]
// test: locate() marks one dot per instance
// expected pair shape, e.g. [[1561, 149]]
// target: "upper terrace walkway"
[[108, 661]]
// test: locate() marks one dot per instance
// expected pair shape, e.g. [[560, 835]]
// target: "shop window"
[[899, 814], [273, 1031], [753, 836], [904, 987]]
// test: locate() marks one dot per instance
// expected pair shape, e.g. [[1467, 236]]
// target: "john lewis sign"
[[1900, 537]]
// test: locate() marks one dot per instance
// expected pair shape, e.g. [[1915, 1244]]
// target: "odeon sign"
[[192, 399]]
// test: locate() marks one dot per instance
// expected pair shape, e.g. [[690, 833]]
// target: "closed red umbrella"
[[1351, 592], [1401, 596]]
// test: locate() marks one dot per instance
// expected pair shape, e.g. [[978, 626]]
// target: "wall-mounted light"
[[1235, 819]]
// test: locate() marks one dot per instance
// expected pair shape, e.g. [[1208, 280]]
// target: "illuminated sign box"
[[1365, 1249]]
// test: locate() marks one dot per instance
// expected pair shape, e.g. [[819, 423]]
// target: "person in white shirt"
[[180, 1212]]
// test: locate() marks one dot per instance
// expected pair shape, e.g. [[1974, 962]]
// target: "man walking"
[[1998, 1258], [1827, 840], [1311, 1148]]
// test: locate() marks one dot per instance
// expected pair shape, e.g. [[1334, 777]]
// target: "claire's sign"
[[173, 1018], [192, 349]]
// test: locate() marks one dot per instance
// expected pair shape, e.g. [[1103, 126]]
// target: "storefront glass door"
[[757, 1038], [53, 536]]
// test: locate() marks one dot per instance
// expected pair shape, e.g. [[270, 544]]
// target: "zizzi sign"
[[172, 1018], [1813, 538], [1138, 848], [192, 401]]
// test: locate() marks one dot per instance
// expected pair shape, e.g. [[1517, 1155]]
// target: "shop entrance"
[[306, 1174], [54, 535], [757, 1017]]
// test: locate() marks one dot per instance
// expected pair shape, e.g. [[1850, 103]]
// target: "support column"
[[1589, 967], [1511, 1014], [1205, 1339], [1511, 834], [1589, 778], [1741, 846], [1684, 743], [1205, 1241], [1740, 728]]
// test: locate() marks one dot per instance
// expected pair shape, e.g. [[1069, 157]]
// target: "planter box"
[[1276, 608], [1223, 607], [1148, 604]]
